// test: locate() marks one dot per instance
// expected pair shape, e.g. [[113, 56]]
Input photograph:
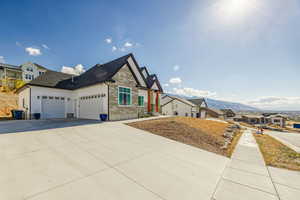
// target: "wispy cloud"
[[128, 44], [108, 40], [77, 70], [175, 80], [273, 102], [45, 46], [191, 92], [2, 60], [114, 48], [18, 44], [176, 67], [33, 51]]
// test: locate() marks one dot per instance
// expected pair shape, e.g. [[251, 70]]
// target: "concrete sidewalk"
[[246, 176], [292, 140]]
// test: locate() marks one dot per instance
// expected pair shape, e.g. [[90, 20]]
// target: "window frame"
[[124, 105], [143, 98]]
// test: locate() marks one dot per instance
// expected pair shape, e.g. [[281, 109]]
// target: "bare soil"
[[204, 134], [8, 101]]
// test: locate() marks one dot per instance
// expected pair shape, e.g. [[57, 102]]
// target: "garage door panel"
[[90, 108], [53, 108]]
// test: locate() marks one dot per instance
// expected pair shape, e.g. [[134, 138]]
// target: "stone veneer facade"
[[118, 112]]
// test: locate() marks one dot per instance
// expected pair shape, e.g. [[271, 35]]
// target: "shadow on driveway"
[[34, 125]]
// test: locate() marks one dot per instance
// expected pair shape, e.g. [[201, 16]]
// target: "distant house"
[[277, 119], [253, 119], [31, 71], [272, 118], [171, 105], [9, 74], [119, 89], [26, 72], [201, 103], [213, 113], [228, 113]]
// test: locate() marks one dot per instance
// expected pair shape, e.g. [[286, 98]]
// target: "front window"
[[124, 96], [141, 100]]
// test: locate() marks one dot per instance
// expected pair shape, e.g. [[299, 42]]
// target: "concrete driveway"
[[95, 161]]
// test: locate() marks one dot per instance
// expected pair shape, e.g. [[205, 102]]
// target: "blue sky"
[[238, 50]]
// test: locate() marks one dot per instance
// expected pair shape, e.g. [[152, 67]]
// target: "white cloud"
[[108, 40], [2, 60], [191, 92], [166, 85], [114, 48], [45, 46], [77, 70], [176, 67], [175, 80], [33, 51], [18, 44], [128, 44], [122, 49], [277, 103]]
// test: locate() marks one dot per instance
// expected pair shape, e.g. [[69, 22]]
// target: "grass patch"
[[277, 154], [204, 134], [234, 143]]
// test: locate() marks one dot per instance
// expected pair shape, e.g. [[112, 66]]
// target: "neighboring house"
[[172, 105], [228, 113], [253, 119], [117, 88], [9, 74], [201, 103], [31, 71], [213, 113], [277, 119], [26, 72]]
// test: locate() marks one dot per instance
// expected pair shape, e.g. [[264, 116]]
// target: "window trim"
[[143, 101], [119, 86]]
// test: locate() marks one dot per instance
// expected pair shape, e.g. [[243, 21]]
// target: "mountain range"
[[218, 104]]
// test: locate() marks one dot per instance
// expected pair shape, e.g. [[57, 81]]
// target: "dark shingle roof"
[[10, 66], [97, 74], [50, 79], [197, 102]]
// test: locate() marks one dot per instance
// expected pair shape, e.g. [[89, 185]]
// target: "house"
[[118, 88], [9, 74], [213, 113], [228, 113], [171, 105], [31, 71], [276, 119], [201, 103], [254, 119]]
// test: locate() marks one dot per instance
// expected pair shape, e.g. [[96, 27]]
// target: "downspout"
[[29, 103], [108, 115]]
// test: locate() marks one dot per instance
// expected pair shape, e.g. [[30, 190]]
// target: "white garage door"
[[90, 107], [53, 107]]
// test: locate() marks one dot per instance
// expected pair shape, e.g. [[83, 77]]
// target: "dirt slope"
[[8, 101]]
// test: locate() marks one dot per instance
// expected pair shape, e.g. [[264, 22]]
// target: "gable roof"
[[219, 112], [97, 74], [40, 66], [179, 99], [198, 101]]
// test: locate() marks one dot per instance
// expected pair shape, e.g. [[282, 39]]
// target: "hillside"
[[8, 101]]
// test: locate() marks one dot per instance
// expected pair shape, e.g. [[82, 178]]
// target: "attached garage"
[[90, 107], [53, 107]]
